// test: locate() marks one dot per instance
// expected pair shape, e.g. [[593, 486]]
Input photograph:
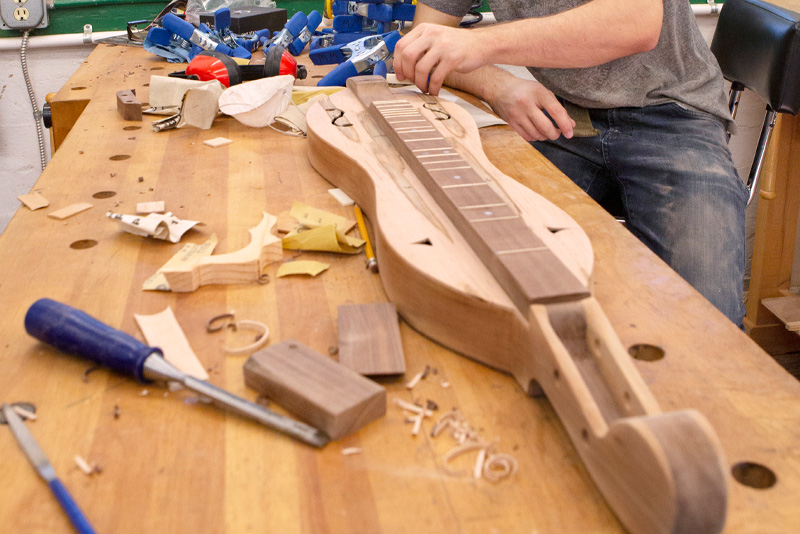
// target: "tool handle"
[[74, 332], [70, 507], [304, 36]]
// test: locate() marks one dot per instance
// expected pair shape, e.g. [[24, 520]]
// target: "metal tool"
[[369, 55], [36, 455], [74, 332]]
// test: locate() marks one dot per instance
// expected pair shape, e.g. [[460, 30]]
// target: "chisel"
[[74, 332]]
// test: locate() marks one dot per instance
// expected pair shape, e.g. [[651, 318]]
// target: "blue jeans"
[[669, 172]]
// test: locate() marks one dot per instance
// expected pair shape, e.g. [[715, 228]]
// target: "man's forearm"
[[591, 34], [588, 35]]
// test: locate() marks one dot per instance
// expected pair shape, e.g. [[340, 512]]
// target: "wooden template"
[[369, 339], [316, 389], [488, 268], [243, 266]]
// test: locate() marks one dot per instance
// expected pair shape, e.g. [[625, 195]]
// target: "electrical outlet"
[[22, 14]]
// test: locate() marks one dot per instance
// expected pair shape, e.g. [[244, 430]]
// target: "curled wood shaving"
[[499, 466], [351, 450], [458, 451]]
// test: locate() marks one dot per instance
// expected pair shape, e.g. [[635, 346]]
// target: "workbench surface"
[[172, 465]]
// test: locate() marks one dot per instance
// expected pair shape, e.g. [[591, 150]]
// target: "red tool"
[[213, 65]]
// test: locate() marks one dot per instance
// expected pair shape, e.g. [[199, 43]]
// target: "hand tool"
[[37, 457], [191, 34], [296, 47], [364, 56], [289, 32], [74, 332]]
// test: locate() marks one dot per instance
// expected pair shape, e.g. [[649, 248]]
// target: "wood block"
[[34, 201], [787, 309], [321, 392], [128, 105], [157, 206], [369, 339]]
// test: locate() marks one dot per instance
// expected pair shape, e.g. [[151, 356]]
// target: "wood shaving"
[[83, 465], [499, 466], [352, 450], [25, 414]]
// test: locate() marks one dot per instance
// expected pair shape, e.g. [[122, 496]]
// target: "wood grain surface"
[[171, 464]]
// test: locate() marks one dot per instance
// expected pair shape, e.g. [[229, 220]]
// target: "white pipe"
[[90, 38], [57, 41]]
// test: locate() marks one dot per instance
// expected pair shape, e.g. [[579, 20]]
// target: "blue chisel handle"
[[70, 507], [76, 333]]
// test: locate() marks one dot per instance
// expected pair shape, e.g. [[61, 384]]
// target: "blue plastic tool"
[[74, 332], [302, 39], [289, 32], [45, 469], [188, 32], [358, 57]]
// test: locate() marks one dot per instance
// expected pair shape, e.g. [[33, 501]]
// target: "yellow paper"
[[311, 268], [302, 94], [323, 239], [189, 254], [313, 218]]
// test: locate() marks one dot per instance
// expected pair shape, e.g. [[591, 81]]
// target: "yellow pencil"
[[372, 263]]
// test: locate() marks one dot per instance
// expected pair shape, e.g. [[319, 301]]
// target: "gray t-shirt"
[[681, 68]]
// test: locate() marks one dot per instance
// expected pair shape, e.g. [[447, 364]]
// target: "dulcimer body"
[[492, 270]]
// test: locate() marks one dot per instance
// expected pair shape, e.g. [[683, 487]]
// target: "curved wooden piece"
[[240, 267], [652, 468]]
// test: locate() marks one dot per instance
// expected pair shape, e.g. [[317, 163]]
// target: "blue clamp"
[[302, 39], [201, 39], [364, 56], [288, 34]]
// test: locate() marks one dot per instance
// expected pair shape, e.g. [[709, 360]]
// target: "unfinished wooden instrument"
[[487, 267]]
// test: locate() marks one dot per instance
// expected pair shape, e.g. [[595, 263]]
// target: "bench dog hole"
[[83, 243], [754, 475], [104, 194], [645, 352], [119, 157]]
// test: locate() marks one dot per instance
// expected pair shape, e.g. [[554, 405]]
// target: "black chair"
[[757, 45]]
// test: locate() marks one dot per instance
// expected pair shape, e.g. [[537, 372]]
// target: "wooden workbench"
[[170, 465]]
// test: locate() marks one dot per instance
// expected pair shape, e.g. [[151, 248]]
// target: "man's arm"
[[591, 34]]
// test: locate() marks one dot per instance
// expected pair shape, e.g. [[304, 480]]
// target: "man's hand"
[[523, 103], [429, 52]]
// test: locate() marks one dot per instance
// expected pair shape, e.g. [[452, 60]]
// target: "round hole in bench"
[[754, 475], [82, 244], [645, 352]]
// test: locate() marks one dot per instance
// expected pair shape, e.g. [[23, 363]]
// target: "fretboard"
[[521, 262]]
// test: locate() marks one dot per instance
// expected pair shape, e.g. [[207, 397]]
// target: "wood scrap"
[[128, 106], [33, 201], [69, 211], [316, 389], [163, 331], [369, 339]]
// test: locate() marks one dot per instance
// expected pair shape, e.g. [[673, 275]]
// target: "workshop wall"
[[50, 68]]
